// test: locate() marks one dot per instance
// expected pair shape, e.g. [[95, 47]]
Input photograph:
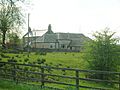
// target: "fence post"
[[14, 72], [42, 76], [119, 81], [77, 80]]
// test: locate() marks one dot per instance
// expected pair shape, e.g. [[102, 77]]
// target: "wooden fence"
[[39, 74]]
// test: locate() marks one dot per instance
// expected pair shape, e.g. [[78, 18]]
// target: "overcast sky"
[[76, 16]]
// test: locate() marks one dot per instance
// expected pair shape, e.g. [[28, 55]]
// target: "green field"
[[68, 60], [9, 85], [72, 60]]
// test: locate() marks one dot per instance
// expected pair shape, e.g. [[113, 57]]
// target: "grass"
[[71, 60], [10, 85]]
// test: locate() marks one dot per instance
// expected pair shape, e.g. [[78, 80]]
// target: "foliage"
[[10, 17], [14, 41], [101, 53]]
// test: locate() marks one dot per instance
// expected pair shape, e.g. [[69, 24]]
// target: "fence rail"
[[37, 73]]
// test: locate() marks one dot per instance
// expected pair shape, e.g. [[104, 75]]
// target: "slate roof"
[[72, 38], [50, 37], [47, 38]]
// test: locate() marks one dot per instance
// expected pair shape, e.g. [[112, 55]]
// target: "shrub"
[[102, 54], [20, 60], [0, 58], [26, 59], [12, 60], [4, 56], [41, 61], [17, 56]]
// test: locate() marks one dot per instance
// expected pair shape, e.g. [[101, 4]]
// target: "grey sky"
[[76, 16]]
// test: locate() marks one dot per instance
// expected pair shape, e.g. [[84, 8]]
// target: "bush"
[[4, 56], [12, 60], [101, 54], [26, 59], [41, 61]]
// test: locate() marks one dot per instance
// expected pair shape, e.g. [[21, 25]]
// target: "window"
[[51, 46], [62, 46]]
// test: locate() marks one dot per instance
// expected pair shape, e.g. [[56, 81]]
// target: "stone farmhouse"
[[56, 41]]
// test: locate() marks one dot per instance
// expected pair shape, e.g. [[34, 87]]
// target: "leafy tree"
[[14, 40], [10, 17], [102, 53], [0, 38]]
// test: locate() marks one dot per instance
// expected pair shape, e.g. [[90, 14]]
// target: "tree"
[[101, 53], [10, 17], [14, 40]]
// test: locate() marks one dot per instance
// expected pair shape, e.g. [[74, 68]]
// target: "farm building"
[[51, 40]]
